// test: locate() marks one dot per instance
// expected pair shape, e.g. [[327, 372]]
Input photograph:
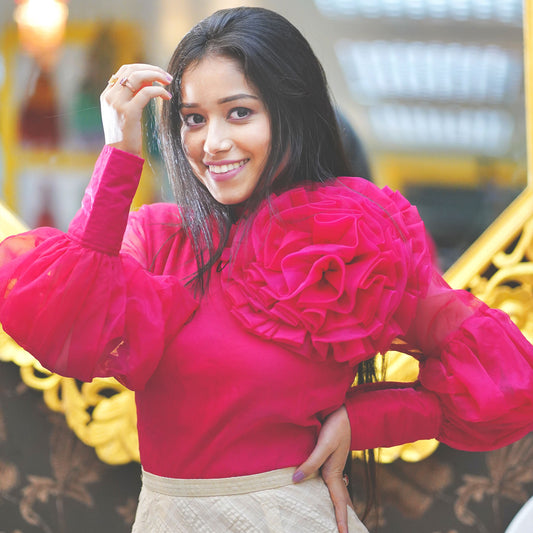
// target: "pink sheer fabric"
[[475, 387], [479, 364], [79, 306]]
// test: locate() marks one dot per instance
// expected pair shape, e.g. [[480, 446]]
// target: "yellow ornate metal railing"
[[498, 268]]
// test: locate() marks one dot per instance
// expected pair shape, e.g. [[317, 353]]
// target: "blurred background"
[[432, 89], [430, 96]]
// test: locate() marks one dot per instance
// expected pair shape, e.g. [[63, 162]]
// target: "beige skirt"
[[260, 503]]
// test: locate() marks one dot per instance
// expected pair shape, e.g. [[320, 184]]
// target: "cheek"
[[192, 154], [266, 139], [259, 143], [190, 148], [265, 151]]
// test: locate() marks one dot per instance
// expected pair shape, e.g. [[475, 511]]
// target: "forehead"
[[213, 78]]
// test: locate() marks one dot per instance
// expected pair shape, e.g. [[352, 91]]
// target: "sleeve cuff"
[[101, 221], [389, 414]]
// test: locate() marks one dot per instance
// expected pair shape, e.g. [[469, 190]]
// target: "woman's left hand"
[[329, 455]]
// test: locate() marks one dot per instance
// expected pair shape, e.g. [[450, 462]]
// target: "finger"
[[136, 76], [146, 94], [125, 70], [141, 66], [141, 78], [341, 499], [126, 102], [316, 459]]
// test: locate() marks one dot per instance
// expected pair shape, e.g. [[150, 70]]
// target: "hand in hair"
[[122, 102], [329, 455]]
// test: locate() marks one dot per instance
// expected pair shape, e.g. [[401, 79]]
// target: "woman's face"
[[226, 128]]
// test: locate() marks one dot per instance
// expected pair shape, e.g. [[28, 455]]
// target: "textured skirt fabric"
[[260, 503]]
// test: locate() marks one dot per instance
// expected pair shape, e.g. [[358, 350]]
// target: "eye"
[[239, 113], [194, 119]]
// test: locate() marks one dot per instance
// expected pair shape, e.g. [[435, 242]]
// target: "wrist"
[[129, 148]]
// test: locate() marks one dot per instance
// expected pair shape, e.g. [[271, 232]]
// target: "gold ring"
[[346, 479], [125, 82], [112, 80]]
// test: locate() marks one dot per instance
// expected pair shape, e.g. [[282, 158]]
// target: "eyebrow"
[[240, 96]]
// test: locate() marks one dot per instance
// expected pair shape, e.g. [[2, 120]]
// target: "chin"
[[229, 201], [226, 199]]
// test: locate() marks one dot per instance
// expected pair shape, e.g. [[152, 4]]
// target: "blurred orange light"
[[41, 25]]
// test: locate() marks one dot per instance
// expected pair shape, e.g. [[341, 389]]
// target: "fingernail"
[[169, 78], [298, 476]]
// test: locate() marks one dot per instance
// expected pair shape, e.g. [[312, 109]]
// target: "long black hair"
[[306, 143], [305, 140]]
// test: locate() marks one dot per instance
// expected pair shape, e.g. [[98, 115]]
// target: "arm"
[[475, 390], [475, 386], [76, 303]]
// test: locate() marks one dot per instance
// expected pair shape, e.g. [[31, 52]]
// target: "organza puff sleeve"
[[76, 302], [344, 271]]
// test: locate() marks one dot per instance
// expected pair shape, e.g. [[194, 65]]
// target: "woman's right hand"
[[122, 102]]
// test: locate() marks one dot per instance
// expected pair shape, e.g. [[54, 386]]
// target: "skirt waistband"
[[228, 486]]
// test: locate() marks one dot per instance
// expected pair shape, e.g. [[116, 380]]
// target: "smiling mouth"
[[222, 169]]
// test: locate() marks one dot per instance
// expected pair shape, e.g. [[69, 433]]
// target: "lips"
[[223, 168]]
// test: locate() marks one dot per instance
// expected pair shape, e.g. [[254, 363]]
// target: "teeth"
[[220, 169]]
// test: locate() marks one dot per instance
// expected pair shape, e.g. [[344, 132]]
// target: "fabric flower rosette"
[[330, 270]]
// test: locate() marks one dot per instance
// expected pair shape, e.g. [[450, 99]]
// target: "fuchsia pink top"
[[238, 382]]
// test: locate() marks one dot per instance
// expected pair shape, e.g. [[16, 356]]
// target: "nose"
[[217, 138]]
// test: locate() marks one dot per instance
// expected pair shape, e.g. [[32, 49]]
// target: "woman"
[[241, 317]]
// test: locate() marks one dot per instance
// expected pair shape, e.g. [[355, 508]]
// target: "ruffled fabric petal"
[[84, 313], [331, 270]]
